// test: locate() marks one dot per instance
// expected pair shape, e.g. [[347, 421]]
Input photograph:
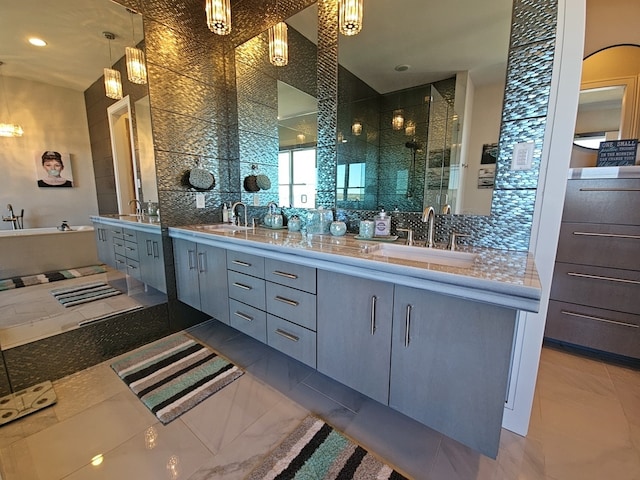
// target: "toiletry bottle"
[[383, 224], [225, 213]]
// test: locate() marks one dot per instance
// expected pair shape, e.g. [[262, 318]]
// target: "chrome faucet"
[[234, 215], [446, 209], [138, 206], [272, 204], [428, 216]]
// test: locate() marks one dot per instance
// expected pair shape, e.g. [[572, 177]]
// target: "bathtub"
[[37, 250]]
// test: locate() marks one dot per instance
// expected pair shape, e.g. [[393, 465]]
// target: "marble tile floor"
[[585, 425], [31, 313]]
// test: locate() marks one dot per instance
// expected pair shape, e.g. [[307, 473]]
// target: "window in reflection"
[[297, 177], [351, 182]]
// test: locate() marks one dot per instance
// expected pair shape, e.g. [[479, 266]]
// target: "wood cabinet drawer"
[[608, 288], [290, 274], [602, 245], [292, 340], [602, 201], [292, 304], [245, 263], [131, 250], [248, 320], [246, 289], [604, 330]]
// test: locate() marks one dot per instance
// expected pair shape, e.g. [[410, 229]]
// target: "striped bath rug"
[[48, 277], [173, 375], [87, 292], [317, 451]]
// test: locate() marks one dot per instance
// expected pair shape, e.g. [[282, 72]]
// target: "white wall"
[[53, 118]]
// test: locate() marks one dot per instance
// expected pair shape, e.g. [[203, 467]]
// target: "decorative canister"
[[338, 228], [319, 221], [276, 220], [366, 228], [294, 224], [268, 219]]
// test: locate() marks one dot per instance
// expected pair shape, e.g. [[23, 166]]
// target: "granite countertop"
[[597, 173], [139, 222], [501, 277]]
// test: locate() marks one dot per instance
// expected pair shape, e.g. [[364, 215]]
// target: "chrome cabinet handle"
[[202, 262], [149, 248], [598, 277], [374, 299], [156, 250], [242, 286], [242, 264], [131, 249], [599, 319], [407, 325], [293, 303], [286, 275], [191, 255], [132, 266], [608, 235], [287, 335], [244, 316]]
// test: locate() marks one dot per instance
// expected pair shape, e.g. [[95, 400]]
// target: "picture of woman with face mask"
[[53, 167]]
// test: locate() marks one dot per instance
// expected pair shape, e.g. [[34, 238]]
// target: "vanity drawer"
[[121, 262], [118, 247], [291, 304], [604, 330], [245, 263], [607, 288], [130, 235], [115, 232], [290, 274], [292, 340], [602, 201], [246, 289], [131, 250], [602, 245], [248, 320], [133, 268]]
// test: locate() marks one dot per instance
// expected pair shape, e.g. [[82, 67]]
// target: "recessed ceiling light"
[[38, 42], [402, 68]]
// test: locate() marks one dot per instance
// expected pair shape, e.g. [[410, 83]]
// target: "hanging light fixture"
[[136, 67], [398, 120], [8, 129], [112, 79], [350, 16], [278, 47], [219, 16], [356, 128], [410, 129], [301, 137]]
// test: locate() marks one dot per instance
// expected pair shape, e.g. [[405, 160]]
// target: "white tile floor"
[[585, 425]]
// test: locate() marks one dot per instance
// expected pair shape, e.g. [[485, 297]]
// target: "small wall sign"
[[617, 153]]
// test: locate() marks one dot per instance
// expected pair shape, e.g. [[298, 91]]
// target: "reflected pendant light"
[[398, 120], [278, 47], [356, 128], [350, 16], [219, 16], [8, 129], [136, 67], [410, 129], [112, 79]]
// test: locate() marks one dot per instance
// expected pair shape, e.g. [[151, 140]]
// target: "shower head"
[[413, 145]]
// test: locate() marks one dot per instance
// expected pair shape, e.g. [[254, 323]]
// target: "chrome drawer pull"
[[287, 335], [407, 325], [120, 262], [132, 266], [191, 255], [374, 299], [286, 275], [293, 303], [598, 277], [244, 316], [608, 235], [599, 319], [131, 249], [240, 285], [242, 264], [129, 235], [202, 262], [610, 189]]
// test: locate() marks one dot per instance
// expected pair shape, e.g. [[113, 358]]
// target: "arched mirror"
[[608, 104]]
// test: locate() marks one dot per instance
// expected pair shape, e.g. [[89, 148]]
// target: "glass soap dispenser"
[[382, 224]]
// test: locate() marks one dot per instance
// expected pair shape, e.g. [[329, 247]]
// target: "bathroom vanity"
[[427, 332]]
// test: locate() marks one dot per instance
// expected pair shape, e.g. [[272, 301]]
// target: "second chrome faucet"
[[428, 216]]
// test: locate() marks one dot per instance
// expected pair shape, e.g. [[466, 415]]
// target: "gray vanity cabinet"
[[354, 332], [152, 260], [104, 241], [450, 362], [201, 278]]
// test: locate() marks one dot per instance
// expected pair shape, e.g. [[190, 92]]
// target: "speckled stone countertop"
[[498, 277], [137, 222]]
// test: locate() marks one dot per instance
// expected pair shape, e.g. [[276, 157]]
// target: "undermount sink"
[[425, 255], [222, 227]]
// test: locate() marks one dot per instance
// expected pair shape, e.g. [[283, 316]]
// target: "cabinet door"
[[185, 256], [151, 257], [214, 293], [102, 244], [354, 332], [450, 365]]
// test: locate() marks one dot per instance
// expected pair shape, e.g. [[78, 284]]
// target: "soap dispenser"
[[382, 224]]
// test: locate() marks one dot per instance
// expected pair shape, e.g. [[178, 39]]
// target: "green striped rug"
[[317, 451], [173, 375]]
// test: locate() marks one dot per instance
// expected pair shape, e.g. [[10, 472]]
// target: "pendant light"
[[8, 129], [112, 79], [398, 120], [136, 67], [350, 16], [278, 47], [219, 16], [356, 128]]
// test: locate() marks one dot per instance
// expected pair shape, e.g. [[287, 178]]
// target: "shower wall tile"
[[533, 21]]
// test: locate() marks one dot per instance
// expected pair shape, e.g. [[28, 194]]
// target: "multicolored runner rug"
[[317, 451], [48, 277], [87, 292], [173, 375]]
